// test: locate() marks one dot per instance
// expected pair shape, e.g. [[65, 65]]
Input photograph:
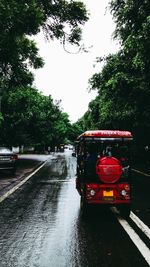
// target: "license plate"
[[109, 193], [108, 199]]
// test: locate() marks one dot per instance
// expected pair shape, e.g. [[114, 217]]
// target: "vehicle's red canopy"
[[106, 133]]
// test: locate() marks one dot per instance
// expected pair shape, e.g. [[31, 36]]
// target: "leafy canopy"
[[21, 19], [123, 84]]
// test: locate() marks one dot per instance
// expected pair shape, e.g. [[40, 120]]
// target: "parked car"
[[8, 160]]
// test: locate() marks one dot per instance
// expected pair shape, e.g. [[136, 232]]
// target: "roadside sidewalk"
[[26, 166]]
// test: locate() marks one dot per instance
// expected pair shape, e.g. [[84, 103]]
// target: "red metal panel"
[[106, 133]]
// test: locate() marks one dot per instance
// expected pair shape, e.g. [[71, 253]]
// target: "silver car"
[[8, 159]]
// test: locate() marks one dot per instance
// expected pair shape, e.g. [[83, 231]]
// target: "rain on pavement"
[[41, 226]]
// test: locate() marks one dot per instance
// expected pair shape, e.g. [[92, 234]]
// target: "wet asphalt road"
[[41, 226]]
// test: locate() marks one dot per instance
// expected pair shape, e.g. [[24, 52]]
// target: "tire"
[[125, 211]]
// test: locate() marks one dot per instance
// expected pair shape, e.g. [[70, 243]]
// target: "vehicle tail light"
[[91, 190], [125, 190], [14, 157]]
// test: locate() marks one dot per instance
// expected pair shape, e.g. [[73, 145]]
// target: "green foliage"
[[34, 119], [74, 130], [21, 19], [1, 118], [17, 20], [63, 14], [123, 84], [60, 128], [29, 116], [114, 104], [132, 28]]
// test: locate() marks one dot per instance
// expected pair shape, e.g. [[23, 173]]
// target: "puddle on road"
[[60, 243]]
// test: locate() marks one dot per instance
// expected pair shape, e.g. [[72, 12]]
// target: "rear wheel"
[[125, 211]]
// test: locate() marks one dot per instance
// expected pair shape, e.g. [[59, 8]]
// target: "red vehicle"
[[103, 169]]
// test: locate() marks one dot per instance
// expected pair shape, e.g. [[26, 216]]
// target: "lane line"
[[20, 184], [143, 173], [143, 249], [144, 228]]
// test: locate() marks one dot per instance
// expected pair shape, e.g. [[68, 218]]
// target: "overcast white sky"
[[65, 76]]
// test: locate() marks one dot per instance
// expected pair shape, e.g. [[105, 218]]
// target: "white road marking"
[[20, 184], [144, 250], [145, 229], [143, 173]]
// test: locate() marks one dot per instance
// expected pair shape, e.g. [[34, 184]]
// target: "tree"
[[116, 101], [132, 28], [123, 84], [74, 131], [132, 20], [21, 19], [61, 126], [28, 116], [32, 118]]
